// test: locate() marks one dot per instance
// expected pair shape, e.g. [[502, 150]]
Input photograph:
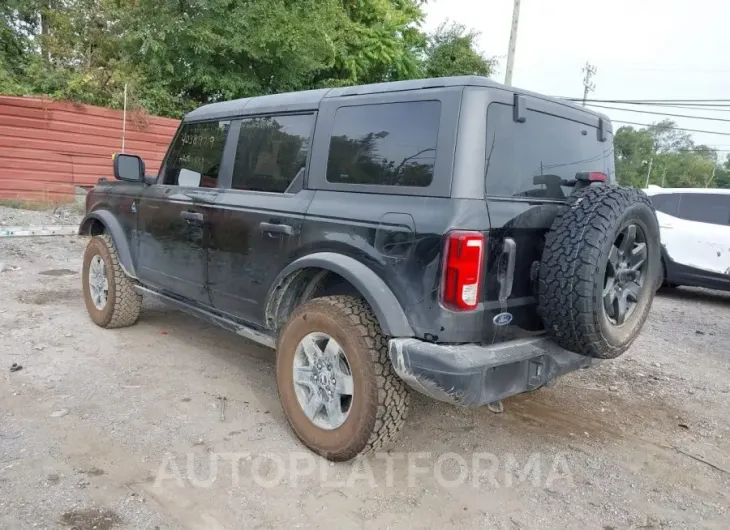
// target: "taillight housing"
[[591, 176], [463, 265]]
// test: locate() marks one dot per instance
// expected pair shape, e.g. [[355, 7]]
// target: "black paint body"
[[229, 251]]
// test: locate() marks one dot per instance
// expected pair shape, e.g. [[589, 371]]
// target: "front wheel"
[[336, 384], [110, 297]]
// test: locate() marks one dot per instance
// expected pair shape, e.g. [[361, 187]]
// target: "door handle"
[[192, 217], [507, 275], [276, 228]]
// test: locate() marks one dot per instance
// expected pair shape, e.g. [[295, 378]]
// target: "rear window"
[[392, 144], [705, 208], [666, 203], [530, 159]]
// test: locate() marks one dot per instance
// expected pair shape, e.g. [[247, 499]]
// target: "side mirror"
[[129, 168]]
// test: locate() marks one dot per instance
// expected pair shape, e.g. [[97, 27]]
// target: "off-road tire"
[[123, 303], [573, 269], [380, 400]]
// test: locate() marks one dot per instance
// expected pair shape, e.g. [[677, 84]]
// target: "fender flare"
[[385, 305], [115, 230]]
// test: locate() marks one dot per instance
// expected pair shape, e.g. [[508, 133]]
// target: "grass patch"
[[22, 204], [40, 206]]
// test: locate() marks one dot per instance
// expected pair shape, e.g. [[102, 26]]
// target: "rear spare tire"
[[599, 270]]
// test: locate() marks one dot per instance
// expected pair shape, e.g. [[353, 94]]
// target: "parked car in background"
[[695, 234]]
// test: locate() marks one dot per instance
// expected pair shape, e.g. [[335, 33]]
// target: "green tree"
[[451, 50], [674, 158], [174, 55], [667, 138], [634, 149]]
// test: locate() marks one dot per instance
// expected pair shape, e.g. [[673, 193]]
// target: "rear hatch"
[[529, 162]]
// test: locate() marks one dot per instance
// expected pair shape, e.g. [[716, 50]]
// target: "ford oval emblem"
[[502, 319]]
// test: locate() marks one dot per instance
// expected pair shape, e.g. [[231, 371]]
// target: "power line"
[[724, 102], [708, 107], [661, 113], [675, 128], [721, 107], [715, 107], [686, 70], [702, 148]]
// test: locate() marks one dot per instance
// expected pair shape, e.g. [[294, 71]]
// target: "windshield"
[[533, 158]]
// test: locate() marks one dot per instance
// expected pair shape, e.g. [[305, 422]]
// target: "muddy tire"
[[599, 270], [110, 297], [335, 344]]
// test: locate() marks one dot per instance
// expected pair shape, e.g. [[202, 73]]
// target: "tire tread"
[[570, 265], [127, 301]]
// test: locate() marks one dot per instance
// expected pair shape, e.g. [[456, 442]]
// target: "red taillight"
[[462, 279], [592, 176], [597, 177]]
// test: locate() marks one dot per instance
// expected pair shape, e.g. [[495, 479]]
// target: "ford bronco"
[[454, 236]]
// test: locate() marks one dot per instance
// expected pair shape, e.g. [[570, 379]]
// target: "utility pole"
[[707, 185], [664, 177], [588, 86], [512, 44], [648, 174]]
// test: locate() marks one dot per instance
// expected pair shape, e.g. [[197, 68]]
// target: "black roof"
[[310, 99]]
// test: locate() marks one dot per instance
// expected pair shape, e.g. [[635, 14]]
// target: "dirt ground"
[[140, 428]]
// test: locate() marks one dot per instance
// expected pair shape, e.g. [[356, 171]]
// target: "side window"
[[272, 153], [667, 203], [195, 157], [705, 208], [393, 144], [531, 159]]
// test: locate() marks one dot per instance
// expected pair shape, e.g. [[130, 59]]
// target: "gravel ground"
[[139, 428], [65, 214]]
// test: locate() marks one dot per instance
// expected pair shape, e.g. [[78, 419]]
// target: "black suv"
[[453, 235]]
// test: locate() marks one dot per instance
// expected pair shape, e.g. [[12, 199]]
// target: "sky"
[[643, 49]]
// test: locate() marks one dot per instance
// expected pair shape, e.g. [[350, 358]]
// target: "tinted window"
[[195, 157], [705, 208], [272, 153], [666, 203], [386, 145], [531, 158]]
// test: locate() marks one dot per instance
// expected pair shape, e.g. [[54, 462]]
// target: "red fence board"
[[47, 148]]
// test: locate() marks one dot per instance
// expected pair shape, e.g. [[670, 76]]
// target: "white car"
[[695, 233]]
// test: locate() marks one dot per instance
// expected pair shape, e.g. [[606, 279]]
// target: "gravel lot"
[[139, 428]]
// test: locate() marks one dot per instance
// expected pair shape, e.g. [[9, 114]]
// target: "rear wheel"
[[336, 384], [599, 270]]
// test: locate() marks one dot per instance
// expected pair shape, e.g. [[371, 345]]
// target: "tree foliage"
[[451, 50], [177, 54], [674, 158]]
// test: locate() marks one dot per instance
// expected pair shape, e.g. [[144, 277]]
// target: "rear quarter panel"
[[373, 229]]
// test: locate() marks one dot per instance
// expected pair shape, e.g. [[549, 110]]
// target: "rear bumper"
[[473, 374]]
